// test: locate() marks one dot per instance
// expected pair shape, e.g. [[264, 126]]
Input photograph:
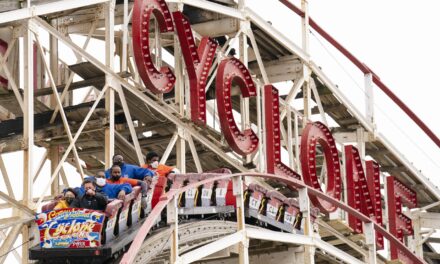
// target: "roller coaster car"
[[269, 207], [210, 198], [86, 236], [76, 235]]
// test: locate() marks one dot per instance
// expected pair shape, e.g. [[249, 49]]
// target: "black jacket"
[[97, 202]]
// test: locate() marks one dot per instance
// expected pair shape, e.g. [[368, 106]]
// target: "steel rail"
[[290, 182], [365, 69]]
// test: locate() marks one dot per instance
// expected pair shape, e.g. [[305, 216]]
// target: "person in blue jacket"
[[110, 191], [130, 170]]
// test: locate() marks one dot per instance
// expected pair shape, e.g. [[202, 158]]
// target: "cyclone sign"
[[70, 228], [363, 186]]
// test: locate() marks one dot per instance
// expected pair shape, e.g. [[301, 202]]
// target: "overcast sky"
[[399, 41]]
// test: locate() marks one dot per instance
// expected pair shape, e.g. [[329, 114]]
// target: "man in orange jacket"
[[153, 164]]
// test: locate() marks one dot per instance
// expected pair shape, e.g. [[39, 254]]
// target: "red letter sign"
[[362, 194], [157, 81], [273, 135], [399, 224], [198, 62], [232, 70], [313, 134]]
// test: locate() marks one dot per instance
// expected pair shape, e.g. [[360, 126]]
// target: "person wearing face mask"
[[154, 165], [129, 170], [68, 197], [112, 191], [91, 199]]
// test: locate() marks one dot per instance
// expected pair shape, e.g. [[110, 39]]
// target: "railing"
[[291, 183]]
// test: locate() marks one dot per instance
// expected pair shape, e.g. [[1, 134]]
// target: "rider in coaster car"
[[129, 170], [91, 199], [108, 189], [117, 179], [69, 195], [154, 165]]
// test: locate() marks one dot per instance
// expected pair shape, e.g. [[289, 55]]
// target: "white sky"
[[399, 40]]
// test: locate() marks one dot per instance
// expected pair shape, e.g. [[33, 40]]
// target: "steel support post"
[[157, 45], [181, 150], [304, 206], [158, 53], [360, 137], [125, 38], [53, 150], [306, 98], [54, 156], [296, 134], [289, 139], [416, 241], [243, 246], [344, 214], [28, 132], [261, 128], [243, 51], [180, 102], [110, 94], [370, 241], [173, 221], [386, 222], [369, 98], [179, 87], [306, 69]]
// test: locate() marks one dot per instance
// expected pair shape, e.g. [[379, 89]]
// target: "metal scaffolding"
[[119, 110]]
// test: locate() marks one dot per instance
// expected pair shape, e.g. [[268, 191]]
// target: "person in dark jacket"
[[91, 199]]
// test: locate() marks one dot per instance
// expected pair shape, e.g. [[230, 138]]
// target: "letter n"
[[363, 193]]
